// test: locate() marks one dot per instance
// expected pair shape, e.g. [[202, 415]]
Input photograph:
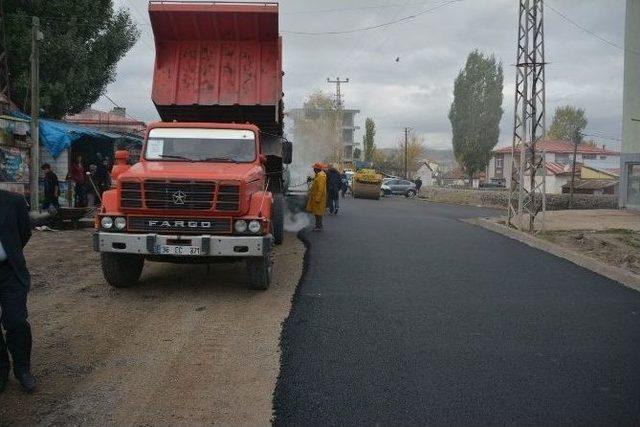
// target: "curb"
[[617, 274]]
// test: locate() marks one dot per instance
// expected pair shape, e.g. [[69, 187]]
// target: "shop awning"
[[57, 136]]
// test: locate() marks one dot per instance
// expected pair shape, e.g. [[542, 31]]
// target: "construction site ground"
[[610, 236], [190, 345]]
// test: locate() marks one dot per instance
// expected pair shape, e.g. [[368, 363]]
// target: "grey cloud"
[[417, 91]]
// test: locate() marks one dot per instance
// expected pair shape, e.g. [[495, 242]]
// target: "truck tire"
[[121, 270], [260, 271], [277, 218]]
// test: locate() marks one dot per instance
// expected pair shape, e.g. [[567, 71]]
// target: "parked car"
[[399, 186]]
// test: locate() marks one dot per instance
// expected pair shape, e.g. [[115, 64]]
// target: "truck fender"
[[261, 202]]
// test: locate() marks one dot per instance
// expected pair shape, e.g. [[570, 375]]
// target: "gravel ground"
[[186, 346]]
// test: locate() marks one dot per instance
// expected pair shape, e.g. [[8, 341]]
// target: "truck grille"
[[179, 195], [228, 199], [180, 225], [131, 195]]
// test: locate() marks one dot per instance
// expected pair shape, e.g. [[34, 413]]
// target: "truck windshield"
[[201, 145]]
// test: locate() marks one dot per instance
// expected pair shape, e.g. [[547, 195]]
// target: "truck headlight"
[[240, 226], [254, 226], [120, 223], [106, 222]]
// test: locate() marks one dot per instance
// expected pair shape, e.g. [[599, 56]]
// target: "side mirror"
[[263, 159], [287, 152]]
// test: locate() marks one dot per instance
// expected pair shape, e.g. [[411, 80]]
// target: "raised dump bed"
[[218, 62]]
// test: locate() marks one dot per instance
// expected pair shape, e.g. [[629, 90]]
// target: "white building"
[[428, 172], [558, 157]]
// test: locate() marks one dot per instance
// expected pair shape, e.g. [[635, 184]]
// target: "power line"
[[350, 9], [588, 31], [595, 134], [373, 27]]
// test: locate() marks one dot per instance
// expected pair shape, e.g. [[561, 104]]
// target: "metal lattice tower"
[[527, 190], [4, 67]]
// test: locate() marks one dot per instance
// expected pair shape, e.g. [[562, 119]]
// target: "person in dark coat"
[[15, 231], [345, 184], [418, 183], [334, 184], [51, 188]]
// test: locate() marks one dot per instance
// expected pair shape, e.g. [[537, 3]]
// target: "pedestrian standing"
[[77, 175], [334, 183], [345, 184], [418, 183], [317, 198], [51, 188], [15, 231]]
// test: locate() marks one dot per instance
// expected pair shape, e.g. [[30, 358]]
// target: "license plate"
[[177, 250]]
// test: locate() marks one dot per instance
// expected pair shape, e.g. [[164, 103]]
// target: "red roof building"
[[564, 147], [116, 121]]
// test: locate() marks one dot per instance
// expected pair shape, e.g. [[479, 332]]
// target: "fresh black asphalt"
[[408, 316]]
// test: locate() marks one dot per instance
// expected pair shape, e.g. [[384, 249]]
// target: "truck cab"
[[209, 183]]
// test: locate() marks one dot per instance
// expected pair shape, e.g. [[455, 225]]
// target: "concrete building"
[[630, 156], [559, 157]]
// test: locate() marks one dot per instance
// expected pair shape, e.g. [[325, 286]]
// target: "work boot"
[[26, 380]]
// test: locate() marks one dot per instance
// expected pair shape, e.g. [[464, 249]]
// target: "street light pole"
[[36, 36], [406, 152]]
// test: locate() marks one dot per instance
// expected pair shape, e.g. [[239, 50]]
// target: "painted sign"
[[14, 164]]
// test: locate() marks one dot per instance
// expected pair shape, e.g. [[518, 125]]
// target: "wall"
[[500, 199], [631, 100]]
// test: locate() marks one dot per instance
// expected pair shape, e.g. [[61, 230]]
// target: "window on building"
[[499, 165], [603, 157], [563, 158], [588, 156]]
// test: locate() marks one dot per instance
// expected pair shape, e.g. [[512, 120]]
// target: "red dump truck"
[[209, 185]]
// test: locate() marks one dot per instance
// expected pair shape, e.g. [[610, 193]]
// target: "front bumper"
[[209, 246]]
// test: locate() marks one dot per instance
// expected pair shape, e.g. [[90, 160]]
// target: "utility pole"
[[577, 138], [36, 36], [5, 97], [339, 151], [406, 152], [526, 201], [338, 82]]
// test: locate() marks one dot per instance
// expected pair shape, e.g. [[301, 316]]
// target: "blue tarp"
[[57, 136]]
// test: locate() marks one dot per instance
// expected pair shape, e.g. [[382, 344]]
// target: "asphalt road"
[[408, 316]]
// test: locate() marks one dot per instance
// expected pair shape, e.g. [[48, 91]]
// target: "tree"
[[368, 143], [83, 42], [566, 120], [476, 111]]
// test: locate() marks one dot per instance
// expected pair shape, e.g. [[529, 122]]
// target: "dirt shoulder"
[[616, 247], [189, 345]]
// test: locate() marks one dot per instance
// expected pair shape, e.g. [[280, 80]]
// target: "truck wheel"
[[260, 271], [121, 270], [277, 218]]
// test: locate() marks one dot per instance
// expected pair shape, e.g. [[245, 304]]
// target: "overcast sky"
[[417, 91]]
